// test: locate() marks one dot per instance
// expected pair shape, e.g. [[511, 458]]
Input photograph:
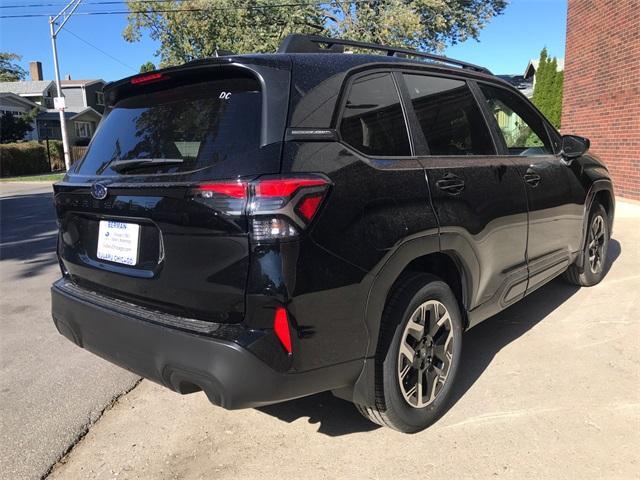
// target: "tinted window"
[[197, 126], [449, 116], [522, 129], [372, 121]]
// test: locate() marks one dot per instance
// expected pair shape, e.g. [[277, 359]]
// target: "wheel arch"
[[601, 191], [422, 255]]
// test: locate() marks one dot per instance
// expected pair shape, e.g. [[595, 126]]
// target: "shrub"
[[57, 154], [27, 158]]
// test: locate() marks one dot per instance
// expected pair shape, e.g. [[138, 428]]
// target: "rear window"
[[372, 121], [175, 130], [450, 119]]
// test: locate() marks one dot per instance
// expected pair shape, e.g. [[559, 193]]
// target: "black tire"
[[585, 275], [395, 407]]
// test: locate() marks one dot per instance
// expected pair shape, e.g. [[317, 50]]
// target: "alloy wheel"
[[597, 241], [425, 354]]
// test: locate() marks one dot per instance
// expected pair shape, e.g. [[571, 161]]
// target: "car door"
[[478, 196], [554, 191]]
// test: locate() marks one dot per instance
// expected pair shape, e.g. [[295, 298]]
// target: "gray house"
[[80, 125], [81, 94], [83, 98]]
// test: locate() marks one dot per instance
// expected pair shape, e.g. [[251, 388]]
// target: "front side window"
[[522, 129], [449, 116], [373, 122]]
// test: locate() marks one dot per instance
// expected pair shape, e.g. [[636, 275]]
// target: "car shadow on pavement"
[[338, 417], [28, 231]]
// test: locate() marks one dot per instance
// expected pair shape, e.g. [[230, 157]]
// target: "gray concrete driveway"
[[549, 389], [50, 390]]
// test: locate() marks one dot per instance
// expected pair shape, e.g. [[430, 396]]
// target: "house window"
[[100, 98], [83, 129]]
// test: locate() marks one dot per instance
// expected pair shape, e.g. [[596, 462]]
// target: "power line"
[[114, 12], [110, 2], [100, 50], [181, 10]]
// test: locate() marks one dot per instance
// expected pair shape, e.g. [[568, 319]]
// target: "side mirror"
[[573, 147]]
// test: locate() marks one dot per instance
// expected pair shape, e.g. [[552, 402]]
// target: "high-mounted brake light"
[[147, 78], [281, 328], [279, 208]]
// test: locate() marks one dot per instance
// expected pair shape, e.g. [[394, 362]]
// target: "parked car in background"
[[264, 227]]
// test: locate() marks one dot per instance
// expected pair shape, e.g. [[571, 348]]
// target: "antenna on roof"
[[221, 53]]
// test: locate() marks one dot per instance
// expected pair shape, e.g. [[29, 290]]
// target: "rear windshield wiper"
[[124, 165]]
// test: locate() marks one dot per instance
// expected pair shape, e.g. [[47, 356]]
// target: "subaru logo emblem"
[[98, 191]]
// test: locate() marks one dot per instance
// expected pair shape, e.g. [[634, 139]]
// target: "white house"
[[19, 106]]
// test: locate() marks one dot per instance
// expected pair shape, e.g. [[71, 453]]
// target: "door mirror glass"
[[574, 146]]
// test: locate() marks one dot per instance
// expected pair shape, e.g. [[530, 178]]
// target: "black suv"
[[264, 227]]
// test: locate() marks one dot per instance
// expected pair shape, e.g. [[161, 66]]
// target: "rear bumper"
[[229, 374]]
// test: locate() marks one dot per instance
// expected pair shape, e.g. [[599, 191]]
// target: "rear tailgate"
[[134, 223]]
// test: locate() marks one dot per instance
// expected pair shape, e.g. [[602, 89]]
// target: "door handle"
[[451, 184], [532, 178]]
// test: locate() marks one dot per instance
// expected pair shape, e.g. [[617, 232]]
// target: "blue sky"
[[505, 45]]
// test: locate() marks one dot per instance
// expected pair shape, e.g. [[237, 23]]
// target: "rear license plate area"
[[118, 242]]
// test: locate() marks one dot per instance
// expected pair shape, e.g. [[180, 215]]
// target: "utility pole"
[[59, 104]]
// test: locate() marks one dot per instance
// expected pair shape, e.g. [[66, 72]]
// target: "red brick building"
[[601, 99]]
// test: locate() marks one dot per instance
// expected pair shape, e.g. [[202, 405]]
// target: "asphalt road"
[[548, 389], [51, 390]]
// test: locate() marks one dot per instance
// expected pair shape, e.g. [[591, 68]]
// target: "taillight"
[[278, 207], [230, 189]]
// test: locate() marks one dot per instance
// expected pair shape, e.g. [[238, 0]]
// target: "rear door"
[[154, 213], [478, 196], [554, 191]]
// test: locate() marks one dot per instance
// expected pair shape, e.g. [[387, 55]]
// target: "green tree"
[[13, 128], [547, 93], [147, 67], [195, 29], [10, 71]]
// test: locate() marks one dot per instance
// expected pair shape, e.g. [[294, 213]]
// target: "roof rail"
[[298, 43]]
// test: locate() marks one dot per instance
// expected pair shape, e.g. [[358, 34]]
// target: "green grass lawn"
[[45, 177]]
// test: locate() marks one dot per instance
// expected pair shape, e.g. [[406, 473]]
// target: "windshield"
[[177, 130]]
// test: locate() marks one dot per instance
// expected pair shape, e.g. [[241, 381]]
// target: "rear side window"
[[449, 116], [372, 121], [180, 129]]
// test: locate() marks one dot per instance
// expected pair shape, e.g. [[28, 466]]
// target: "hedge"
[[25, 158]]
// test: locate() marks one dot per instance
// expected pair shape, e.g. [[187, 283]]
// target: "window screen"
[[522, 129], [449, 116], [372, 121]]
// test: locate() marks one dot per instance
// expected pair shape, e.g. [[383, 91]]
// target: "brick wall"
[[601, 99]]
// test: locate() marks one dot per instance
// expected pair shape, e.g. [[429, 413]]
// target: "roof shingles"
[[25, 87]]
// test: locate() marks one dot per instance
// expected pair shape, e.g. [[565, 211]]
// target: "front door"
[[478, 196], [555, 194]]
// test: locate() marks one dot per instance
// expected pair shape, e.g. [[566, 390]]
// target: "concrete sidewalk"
[[549, 388], [51, 390]]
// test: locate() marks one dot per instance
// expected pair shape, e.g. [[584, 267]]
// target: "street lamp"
[[59, 104]]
